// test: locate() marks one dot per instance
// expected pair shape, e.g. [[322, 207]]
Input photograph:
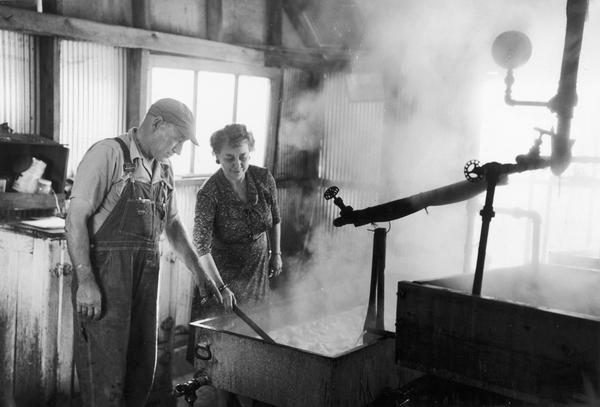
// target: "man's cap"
[[178, 114]]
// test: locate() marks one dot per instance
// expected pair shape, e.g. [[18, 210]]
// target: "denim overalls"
[[116, 355]]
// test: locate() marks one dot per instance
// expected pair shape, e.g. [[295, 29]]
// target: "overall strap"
[[128, 166]]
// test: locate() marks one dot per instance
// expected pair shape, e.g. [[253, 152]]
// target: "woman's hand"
[[228, 299], [275, 265]]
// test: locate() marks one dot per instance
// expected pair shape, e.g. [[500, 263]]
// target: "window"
[[218, 94]]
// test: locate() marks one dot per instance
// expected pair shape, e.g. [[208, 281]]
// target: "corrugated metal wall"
[[186, 192], [19, 81], [324, 139], [299, 136], [93, 95], [352, 148], [300, 130], [181, 278]]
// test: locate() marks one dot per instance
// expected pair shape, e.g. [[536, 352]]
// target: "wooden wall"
[[244, 21], [103, 11], [188, 18]]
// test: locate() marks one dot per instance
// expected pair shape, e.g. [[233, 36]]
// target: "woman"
[[235, 209]]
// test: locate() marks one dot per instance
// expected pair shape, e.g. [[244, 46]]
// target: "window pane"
[[177, 84], [214, 110], [254, 98]]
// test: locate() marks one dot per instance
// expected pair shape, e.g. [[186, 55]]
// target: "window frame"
[[161, 60]]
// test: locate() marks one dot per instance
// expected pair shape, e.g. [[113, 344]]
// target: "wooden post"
[[137, 67], [214, 20], [137, 85], [140, 13], [49, 88], [274, 38], [274, 23]]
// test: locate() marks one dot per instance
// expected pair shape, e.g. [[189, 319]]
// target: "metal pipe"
[[379, 246], [375, 309], [487, 213], [371, 308], [566, 97], [400, 208], [536, 222], [509, 80]]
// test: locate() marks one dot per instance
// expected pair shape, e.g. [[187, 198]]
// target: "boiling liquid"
[[327, 336]]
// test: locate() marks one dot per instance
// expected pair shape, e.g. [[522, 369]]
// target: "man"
[[122, 200]]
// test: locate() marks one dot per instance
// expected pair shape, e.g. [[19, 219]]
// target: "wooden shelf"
[[18, 201]]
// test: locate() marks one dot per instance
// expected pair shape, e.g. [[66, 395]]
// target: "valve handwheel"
[[331, 192], [470, 171]]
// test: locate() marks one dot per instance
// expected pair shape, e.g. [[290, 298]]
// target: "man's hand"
[[89, 300]]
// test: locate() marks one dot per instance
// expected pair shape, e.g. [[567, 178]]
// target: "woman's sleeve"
[[273, 192], [203, 222]]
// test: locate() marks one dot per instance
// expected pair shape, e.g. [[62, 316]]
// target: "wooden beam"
[[20, 201], [49, 88], [274, 23], [307, 59], [137, 86], [26, 4], [74, 28], [214, 20], [302, 24], [44, 24]]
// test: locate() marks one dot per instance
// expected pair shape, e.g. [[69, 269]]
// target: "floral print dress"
[[235, 233]]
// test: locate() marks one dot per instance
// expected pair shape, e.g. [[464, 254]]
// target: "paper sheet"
[[52, 222]]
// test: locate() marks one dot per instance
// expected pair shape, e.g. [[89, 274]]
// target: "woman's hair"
[[233, 135]]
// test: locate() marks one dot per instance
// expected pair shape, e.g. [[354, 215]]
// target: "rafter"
[[302, 23]]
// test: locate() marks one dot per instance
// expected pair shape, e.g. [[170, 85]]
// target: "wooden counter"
[[36, 326]]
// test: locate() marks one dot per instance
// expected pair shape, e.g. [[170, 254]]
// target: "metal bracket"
[[202, 351]]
